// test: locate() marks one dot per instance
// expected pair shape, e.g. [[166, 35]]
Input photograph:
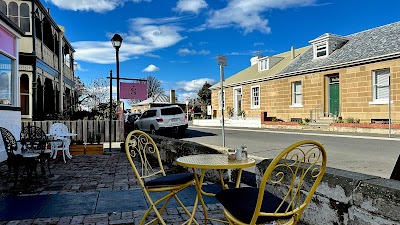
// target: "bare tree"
[[97, 92], [154, 86]]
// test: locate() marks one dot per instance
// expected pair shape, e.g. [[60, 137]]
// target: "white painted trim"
[[252, 106], [296, 106], [235, 99], [381, 102]]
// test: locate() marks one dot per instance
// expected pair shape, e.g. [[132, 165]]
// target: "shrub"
[[91, 138], [229, 110], [352, 120], [339, 120]]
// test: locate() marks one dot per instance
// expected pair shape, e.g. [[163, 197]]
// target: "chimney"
[[293, 52], [48, 10], [172, 96], [254, 60]]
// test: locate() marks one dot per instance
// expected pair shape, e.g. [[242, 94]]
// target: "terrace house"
[[46, 62], [337, 76]]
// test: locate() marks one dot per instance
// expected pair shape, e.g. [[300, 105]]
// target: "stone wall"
[[170, 149], [342, 198], [355, 94]]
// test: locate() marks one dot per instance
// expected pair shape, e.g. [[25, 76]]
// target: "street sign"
[[221, 60]]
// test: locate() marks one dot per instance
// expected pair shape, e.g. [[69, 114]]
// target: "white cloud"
[[151, 68], [186, 51], [193, 85], [78, 67], [91, 5], [247, 14], [145, 36], [193, 6], [258, 44], [189, 89]]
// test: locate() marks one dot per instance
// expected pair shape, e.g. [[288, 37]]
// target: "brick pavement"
[[89, 173]]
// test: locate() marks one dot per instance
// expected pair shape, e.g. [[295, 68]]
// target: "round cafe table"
[[62, 137], [211, 162]]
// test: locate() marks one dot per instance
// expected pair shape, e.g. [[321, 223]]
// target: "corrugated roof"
[[159, 98], [251, 73], [367, 44]]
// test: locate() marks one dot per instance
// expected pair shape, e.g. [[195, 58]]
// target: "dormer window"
[[263, 64], [324, 45], [320, 50], [268, 62]]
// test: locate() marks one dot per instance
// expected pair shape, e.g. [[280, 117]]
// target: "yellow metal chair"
[[299, 169], [140, 145]]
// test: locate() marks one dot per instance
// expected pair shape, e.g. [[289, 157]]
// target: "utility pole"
[[222, 62]]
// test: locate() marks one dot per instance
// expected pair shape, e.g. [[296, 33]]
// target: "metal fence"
[[84, 128]]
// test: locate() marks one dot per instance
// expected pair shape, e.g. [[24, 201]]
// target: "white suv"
[[165, 118]]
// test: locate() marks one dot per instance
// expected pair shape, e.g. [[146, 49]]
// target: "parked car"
[[160, 119], [130, 121]]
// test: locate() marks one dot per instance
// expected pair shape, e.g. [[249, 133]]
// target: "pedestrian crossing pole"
[[222, 62]]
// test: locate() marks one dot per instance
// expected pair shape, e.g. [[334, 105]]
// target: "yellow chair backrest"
[[140, 145], [304, 159]]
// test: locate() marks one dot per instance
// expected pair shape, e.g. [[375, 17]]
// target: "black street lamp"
[[117, 42]]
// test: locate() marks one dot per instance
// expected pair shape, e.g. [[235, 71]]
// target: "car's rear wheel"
[[152, 130], [181, 131]]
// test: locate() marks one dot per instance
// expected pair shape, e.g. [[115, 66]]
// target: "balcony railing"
[[68, 72], [48, 55]]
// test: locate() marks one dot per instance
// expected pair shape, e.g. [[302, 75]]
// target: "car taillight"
[[185, 116], [159, 120]]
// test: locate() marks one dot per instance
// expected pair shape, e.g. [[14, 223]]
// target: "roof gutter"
[[319, 69]]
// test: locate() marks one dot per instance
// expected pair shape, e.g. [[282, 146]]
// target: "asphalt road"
[[363, 153]]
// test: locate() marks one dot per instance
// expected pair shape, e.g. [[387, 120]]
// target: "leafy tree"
[[204, 98]]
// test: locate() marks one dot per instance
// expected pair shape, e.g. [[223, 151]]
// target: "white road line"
[[307, 134]]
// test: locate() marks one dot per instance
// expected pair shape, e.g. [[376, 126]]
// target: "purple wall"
[[7, 42]]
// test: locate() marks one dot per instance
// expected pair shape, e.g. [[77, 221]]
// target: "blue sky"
[[178, 41]]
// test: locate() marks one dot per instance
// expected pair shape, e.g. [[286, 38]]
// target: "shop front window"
[[5, 80]]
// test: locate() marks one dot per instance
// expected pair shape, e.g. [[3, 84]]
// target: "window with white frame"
[[263, 64], [6, 81], [221, 104], [3, 7], [380, 83], [24, 17], [296, 94], [255, 97], [320, 50], [13, 12]]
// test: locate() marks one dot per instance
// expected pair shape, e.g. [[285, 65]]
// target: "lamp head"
[[116, 41]]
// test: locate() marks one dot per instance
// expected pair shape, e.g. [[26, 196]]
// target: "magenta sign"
[[7, 42], [133, 91]]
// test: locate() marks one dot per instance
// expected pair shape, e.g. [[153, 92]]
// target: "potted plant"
[[93, 146]]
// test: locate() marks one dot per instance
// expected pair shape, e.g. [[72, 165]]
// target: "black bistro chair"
[[14, 161], [34, 139]]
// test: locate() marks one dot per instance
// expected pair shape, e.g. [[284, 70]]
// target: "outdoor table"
[[211, 162], [42, 152], [30, 163], [63, 136]]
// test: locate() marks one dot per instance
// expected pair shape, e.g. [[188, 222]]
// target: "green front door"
[[334, 98]]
